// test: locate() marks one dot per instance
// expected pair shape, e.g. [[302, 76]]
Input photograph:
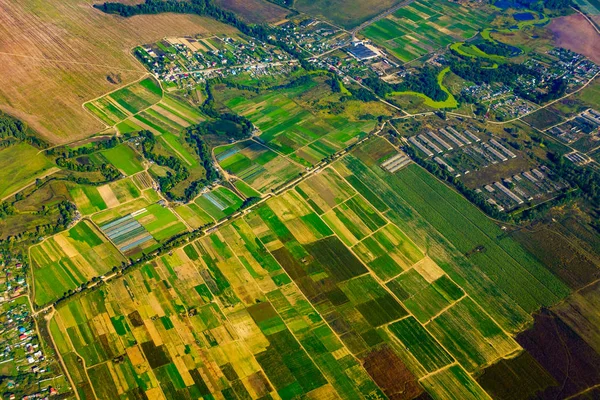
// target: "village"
[[27, 373]]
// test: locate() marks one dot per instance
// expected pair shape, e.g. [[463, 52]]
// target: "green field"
[[20, 164], [124, 158], [428, 210], [160, 222], [426, 25], [297, 130], [142, 105], [193, 215], [246, 189], [256, 165], [67, 260], [119, 105], [219, 203]]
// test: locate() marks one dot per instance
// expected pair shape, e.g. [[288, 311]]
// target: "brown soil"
[[575, 33], [563, 353], [255, 11], [390, 373], [56, 54]]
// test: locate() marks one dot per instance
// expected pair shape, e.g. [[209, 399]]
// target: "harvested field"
[[580, 312], [255, 11], [575, 33], [563, 353], [518, 378], [390, 373], [574, 266], [348, 14], [60, 53]]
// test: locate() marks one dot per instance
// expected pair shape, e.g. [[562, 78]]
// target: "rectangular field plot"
[[124, 158], [426, 25], [65, 261], [423, 298], [219, 203], [471, 336], [388, 252], [126, 233], [119, 105], [193, 215], [325, 190], [454, 383], [353, 220], [138, 225], [420, 344], [256, 165], [91, 199]]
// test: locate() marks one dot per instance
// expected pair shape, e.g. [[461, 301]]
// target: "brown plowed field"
[[56, 54], [575, 33], [255, 11]]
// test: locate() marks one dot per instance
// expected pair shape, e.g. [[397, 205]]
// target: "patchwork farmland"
[[426, 25], [255, 164], [143, 105], [326, 281], [291, 127], [67, 260]]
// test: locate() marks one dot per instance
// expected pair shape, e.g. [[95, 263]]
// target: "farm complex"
[[296, 199]]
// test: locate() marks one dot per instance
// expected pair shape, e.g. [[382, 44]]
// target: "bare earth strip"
[[55, 55]]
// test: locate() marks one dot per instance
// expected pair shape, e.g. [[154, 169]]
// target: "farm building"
[[362, 52]]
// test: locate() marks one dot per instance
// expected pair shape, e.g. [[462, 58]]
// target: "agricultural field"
[[142, 229], [91, 199], [216, 325], [255, 164], [60, 54], [193, 215], [424, 208], [65, 261], [426, 25], [261, 168], [219, 203], [255, 11], [124, 158], [290, 125], [348, 14], [143, 105], [355, 283], [20, 165]]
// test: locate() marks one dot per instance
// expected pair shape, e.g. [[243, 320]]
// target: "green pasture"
[[20, 165], [124, 158]]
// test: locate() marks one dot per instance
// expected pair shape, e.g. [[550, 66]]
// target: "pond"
[[526, 16]]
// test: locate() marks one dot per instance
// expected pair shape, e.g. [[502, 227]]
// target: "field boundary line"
[[380, 282], [217, 302], [83, 364], [50, 171], [587, 19], [59, 355]]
